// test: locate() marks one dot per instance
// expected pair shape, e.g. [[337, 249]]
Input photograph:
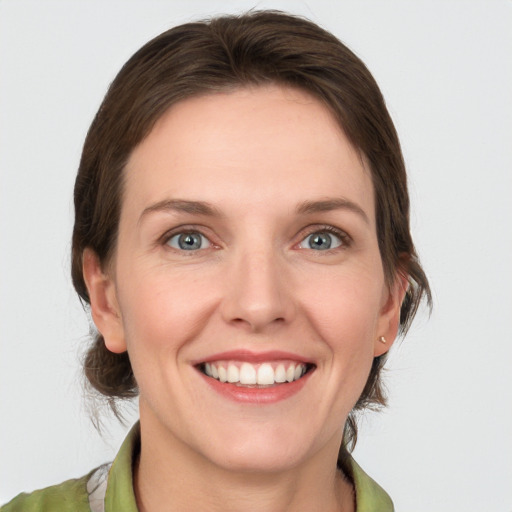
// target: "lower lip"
[[267, 395]]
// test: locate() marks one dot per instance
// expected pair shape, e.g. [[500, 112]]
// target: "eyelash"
[[344, 238]]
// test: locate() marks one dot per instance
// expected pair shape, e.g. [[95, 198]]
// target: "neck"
[[169, 476]]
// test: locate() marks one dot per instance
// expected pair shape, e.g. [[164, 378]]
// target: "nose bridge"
[[257, 294]]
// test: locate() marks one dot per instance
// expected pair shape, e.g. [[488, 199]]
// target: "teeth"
[[233, 373], [280, 373], [247, 374], [266, 374]]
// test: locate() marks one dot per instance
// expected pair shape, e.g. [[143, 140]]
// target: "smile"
[[262, 374]]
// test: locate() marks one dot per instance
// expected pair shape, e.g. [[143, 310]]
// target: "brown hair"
[[232, 52]]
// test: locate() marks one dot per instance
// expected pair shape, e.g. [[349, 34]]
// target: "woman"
[[241, 235]]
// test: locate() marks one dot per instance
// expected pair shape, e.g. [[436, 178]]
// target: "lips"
[[258, 378]]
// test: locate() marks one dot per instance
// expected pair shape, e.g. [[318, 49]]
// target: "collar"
[[370, 497], [120, 494]]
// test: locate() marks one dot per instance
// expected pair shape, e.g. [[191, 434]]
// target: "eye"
[[192, 241], [322, 241]]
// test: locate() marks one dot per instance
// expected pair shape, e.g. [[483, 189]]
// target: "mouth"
[[245, 374]]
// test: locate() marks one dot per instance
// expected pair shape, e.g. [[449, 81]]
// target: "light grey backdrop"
[[445, 443]]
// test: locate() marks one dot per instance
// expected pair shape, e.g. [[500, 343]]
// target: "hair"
[[221, 54]]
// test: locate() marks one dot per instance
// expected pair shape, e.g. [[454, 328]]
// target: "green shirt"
[[109, 488]]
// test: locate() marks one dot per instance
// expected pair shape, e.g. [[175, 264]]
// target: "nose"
[[258, 294]]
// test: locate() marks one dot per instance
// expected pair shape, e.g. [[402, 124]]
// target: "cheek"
[[163, 309], [346, 305], [345, 314]]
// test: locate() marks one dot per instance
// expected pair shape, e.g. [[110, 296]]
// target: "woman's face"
[[247, 252]]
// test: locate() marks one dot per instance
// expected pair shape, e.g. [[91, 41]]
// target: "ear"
[[389, 319], [104, 306]]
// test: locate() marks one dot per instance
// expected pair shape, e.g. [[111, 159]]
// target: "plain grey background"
[[445, 68]]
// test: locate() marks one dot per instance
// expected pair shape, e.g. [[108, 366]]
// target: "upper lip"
[[253, 357]]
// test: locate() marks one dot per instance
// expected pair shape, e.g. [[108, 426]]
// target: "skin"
[[255, 156]]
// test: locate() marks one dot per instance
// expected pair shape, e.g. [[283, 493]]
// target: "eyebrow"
[[327, 205], [182, 205], [208, 210]]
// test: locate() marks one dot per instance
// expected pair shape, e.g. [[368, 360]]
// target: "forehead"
[[248, 144]]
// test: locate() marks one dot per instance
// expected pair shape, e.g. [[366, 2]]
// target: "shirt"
[[109, 488]]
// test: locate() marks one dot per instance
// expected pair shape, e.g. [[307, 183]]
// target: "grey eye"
[[321, 241], [189, 241]]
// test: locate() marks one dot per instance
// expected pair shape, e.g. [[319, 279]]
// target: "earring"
[[382, 339]]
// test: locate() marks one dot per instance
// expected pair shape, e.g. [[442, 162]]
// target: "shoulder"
[[69, 496], [108, 487]]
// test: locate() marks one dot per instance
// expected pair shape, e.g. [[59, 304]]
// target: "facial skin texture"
[[255, 156]]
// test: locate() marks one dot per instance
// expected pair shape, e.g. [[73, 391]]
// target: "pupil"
[[320, 241], [189, 241]]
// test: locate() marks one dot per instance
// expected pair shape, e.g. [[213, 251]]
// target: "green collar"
[[370, 497], [120, 495]]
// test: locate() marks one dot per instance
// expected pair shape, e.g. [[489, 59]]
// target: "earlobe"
[[389, 320], [104, 306]]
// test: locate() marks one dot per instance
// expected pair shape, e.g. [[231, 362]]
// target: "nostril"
[[257, 324]]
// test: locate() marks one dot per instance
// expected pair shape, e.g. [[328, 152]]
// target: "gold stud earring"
[[382, 339]]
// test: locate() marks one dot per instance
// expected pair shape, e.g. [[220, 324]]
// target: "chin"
[[259, 451], [259, 461]]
